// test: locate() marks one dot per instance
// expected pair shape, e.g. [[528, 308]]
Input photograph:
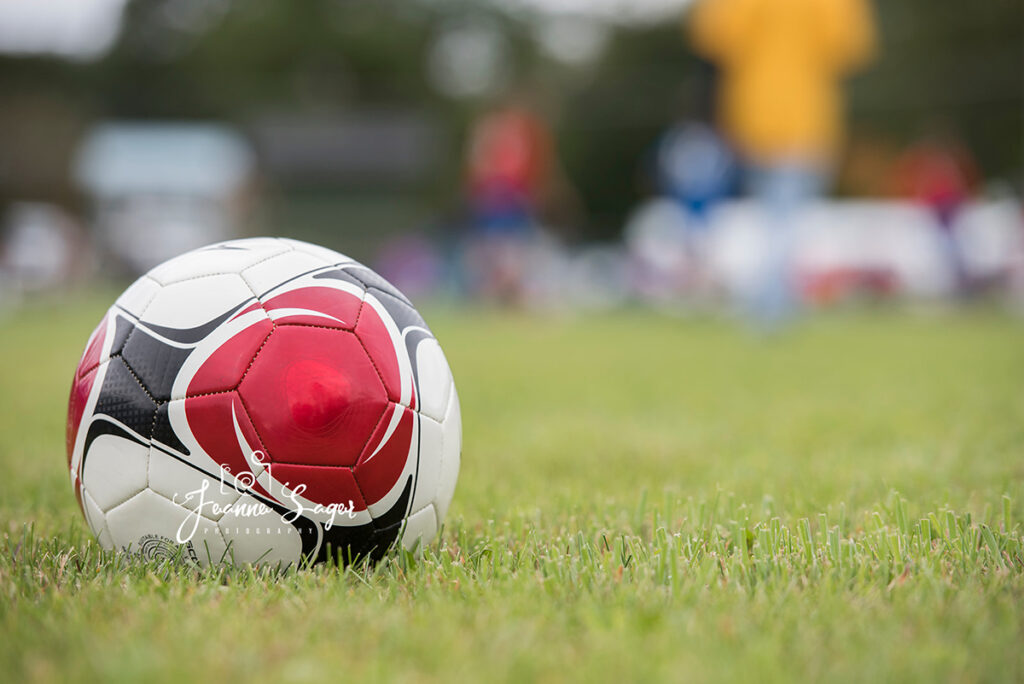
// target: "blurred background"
[[763, 157]]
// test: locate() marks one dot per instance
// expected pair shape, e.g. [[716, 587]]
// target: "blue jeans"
[[782, 191]]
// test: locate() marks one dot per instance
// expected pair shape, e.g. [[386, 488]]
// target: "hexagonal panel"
[[255, 536], [420, 529], [386, 458], [93, 353], [155, 363], [225, 257], [115, 470], [122, 398], [81, 388], [328, 256], [188, 487], [186, 311], [218, 362], [315, 305], [313, 395], [324, 485], [451, 456], [223, 433], [267, 276], [137, 297], [153, 526], [434, 379], [374, 282], [380, 345], [428, 470]]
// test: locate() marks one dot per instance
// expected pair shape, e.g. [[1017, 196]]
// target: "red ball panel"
[[323, 484], [326, 306], [314, 396], [380, 346], [226, 366], [91, 356], [221, 426], [384, 458], [81, 387]]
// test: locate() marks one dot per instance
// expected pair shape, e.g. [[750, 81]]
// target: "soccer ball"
[[263, 401]]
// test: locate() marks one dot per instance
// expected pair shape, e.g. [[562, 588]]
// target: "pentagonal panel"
[[313, 396], [226, 257]]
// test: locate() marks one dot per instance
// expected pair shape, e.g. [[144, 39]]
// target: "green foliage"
[[641, 498]]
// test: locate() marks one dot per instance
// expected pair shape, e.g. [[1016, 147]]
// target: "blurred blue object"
[[695, 167]]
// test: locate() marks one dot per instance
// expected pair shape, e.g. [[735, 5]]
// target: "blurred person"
[[508, 172], [939, 172], [412, 263], [779, 104], [42, 248], [696, 170]]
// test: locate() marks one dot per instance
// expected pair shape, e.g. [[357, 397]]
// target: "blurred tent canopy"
[[352, 68]]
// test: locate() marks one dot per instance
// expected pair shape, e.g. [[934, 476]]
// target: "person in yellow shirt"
[[781, 63]]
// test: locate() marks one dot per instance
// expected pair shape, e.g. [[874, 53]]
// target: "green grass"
[[640, 498]]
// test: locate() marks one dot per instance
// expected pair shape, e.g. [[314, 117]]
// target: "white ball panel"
[[420, 529], [450, 456], [265, 538], [269, 274], [149, 515], [188, 487], [96, 520], [115, 470], [224, 257], [328, 256], [103, 538], [429, 472], [139, 294], [435, 379], [192, 303]]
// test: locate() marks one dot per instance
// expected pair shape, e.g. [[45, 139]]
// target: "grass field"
[[640, 498]]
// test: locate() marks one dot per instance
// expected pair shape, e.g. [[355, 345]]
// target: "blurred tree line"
[[244, 61]]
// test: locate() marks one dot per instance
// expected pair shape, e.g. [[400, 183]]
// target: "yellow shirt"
[[781, 62]]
